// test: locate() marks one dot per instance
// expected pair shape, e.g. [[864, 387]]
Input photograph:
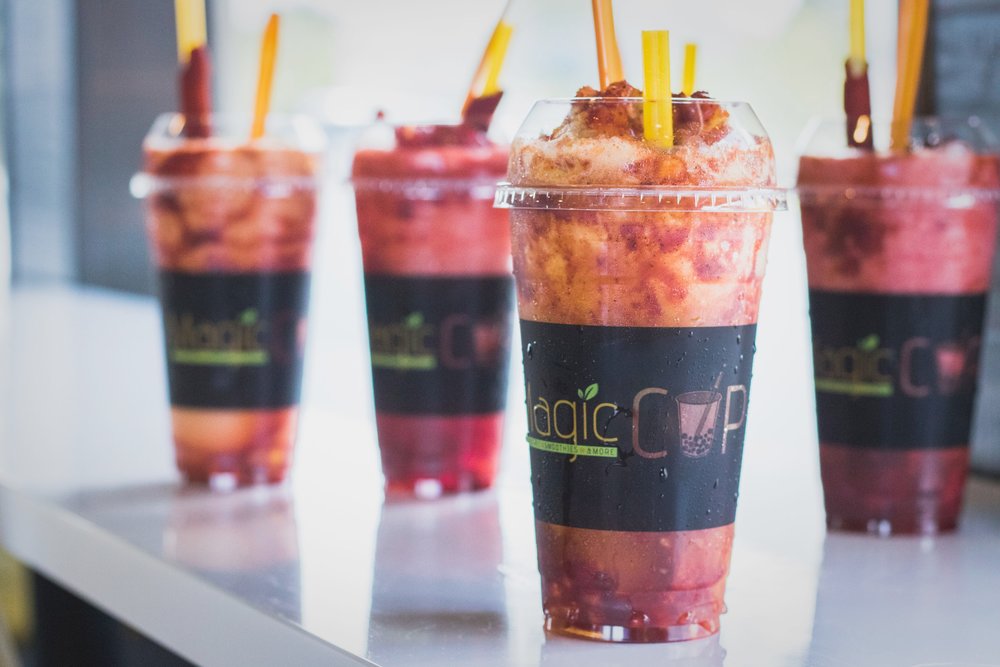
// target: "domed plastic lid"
[[951, 162], [429, 161], [288, 156], [589, 153]]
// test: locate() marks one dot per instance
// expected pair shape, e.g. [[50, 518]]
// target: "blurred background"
[[82, 80]]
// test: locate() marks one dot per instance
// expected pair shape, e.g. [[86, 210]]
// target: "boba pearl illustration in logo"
[[698, 414], [662, 407]]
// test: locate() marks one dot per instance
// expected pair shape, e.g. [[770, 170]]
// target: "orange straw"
[[913, 29], [487, 77], [268, 52], [609, 60]]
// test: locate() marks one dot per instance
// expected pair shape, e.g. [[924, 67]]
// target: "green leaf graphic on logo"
[[415, 320], [579, 392], [248, 316], [590, 392], [869, 343]]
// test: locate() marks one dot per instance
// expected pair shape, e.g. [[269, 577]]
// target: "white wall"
[[415, 58]]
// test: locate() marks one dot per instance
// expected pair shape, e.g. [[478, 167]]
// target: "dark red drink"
[[438, 289], [899, 249]]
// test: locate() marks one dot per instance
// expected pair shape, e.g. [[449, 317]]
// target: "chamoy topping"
[[423, 152], [427, 136], [602, 143], [210, 157], [693, 123]]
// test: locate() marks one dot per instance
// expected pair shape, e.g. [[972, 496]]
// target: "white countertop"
[[319, 571]]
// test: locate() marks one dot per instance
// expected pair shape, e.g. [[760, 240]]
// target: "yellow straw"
[[190, 18], [268, 51], [913, 21], [690, 59], [657, 108], [857, 54], [609, 60], [499, 42], [486, 80]]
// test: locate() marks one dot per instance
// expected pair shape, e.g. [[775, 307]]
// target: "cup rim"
[[143, 184], [643, 198], [639, 100], [427, 188], [953, 197]]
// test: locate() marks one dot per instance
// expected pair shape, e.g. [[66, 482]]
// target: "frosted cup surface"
[[638, 273]]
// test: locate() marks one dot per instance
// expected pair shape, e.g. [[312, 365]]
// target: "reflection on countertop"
[[437, 580], [566, 652], [935, 588], [245, 541]]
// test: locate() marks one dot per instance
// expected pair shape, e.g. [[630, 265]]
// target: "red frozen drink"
[[439, 298], [638, 275], [899, 249]]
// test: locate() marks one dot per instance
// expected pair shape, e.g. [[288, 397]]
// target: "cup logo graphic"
[[622, 436], [900, 372], [439, 345], [234, 340], [698, 413], [957, 364]]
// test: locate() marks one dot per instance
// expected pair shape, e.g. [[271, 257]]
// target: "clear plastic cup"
[[231, 225], [638, 273], [899, 249], [439, 301]]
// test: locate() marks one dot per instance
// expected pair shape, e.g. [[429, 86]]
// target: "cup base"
[[429, 456], [226, 449], [432, 488], [621, 586], [229, 481], [908, 492], [631, 634]]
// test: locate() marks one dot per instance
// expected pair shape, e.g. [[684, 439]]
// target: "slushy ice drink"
[[439, 298], [231, 228], [638, 276], [899, 250]]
